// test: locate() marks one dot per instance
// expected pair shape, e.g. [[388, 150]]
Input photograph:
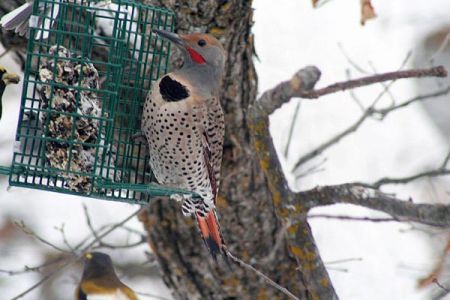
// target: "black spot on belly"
[[171, 90]]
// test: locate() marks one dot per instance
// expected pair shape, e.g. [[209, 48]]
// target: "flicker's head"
[[198, 48]]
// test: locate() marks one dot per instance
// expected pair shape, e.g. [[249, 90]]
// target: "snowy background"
[[390, 257]]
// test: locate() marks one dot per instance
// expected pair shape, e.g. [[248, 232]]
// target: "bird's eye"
[[201, 43]]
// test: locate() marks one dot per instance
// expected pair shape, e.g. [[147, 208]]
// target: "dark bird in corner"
[[100, 281], [6, 78]]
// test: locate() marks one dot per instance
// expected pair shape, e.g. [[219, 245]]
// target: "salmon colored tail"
[[210, 231]]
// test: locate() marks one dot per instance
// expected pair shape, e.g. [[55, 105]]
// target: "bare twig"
[[63, 234], [447, 290], [89, 223], [340, 261], [279, 239], [370, 111], [249, 267], [38, 268], [383, 112], [446, 160], [351, 61], [344, 260], [386, 86], [337, 269], [41, 281], [313, 169], [351, 218], [437, 215], [403, 180], [438, 71], [367, 112], [308, 156], [291, 129], [101, 243], [64, 266], [30, 232]]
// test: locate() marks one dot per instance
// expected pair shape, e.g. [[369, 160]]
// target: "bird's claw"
[[139, 138], [179, 197]]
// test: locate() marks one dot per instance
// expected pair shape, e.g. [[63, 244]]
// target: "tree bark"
[[246, 211]]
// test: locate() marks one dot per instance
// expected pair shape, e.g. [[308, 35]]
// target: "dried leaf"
[[367, 11]]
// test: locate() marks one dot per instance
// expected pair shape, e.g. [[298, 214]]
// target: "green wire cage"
[[88, 70]]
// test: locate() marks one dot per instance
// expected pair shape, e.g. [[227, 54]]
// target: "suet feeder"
[[88, 69]]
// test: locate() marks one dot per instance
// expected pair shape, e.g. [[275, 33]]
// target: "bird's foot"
[[180, 197], [139, 138], [188, 206]]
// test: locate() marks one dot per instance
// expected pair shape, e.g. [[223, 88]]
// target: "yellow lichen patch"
[[314, 296], [258, 127], [226, 6], [283, 212], [221, 202], [258, 146], [264, 163], [216, 31], [293, 229], [232, 282], [178, 271], [276, 198], [324, 282], [304, 255], [262, 294], [299, 208], [190, 222], [244, 254]]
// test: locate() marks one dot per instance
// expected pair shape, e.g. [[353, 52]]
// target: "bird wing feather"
[[213, 135]]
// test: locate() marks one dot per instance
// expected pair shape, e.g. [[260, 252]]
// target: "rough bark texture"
[[249, 223]]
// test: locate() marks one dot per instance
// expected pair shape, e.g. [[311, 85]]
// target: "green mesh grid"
[[86, 78]]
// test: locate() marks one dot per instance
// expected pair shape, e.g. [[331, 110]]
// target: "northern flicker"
[[100, 281], [184, 126]]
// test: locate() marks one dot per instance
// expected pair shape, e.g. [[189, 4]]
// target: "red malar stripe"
[[196, 56]]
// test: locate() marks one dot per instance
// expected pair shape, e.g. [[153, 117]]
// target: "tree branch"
[[438, 71], [406, 211], [301, 243], [294, 207], [351, 218]]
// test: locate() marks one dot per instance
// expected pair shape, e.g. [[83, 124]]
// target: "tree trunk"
[[246, 213]]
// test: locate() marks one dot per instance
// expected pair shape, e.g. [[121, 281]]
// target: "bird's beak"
[[173, 37], [10, 78], [181, 43]]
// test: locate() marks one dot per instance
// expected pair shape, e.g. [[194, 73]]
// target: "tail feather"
[[210, 231]]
